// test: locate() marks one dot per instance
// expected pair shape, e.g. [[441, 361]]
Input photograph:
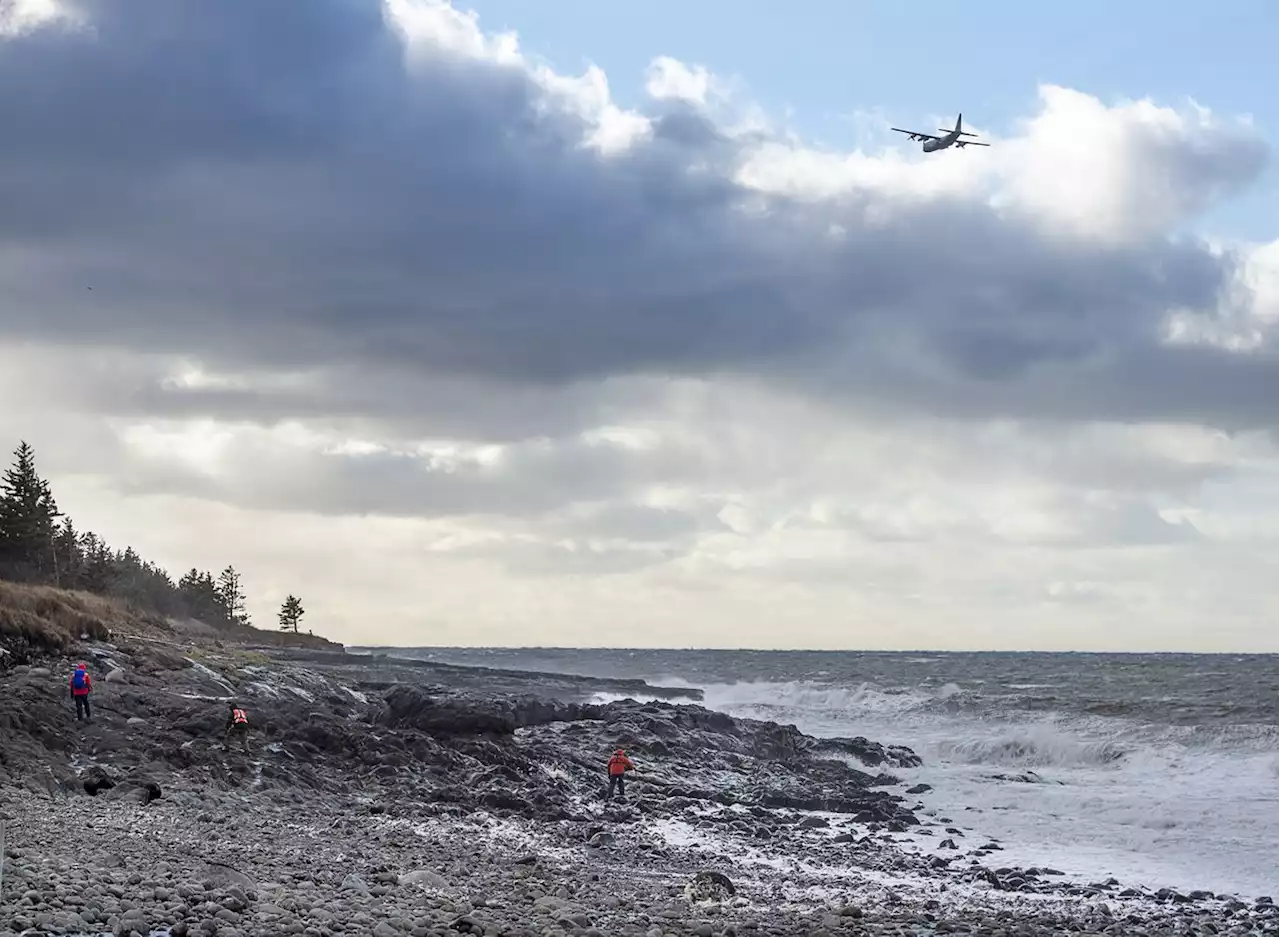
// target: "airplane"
[[951, 137]]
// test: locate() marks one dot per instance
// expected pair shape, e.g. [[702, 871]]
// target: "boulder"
[[133, 790], [709, 885], [447, 714]]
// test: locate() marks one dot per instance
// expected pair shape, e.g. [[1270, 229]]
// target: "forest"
[[40, 544]]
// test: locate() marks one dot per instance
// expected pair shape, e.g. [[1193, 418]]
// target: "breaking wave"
[[1033, 748]]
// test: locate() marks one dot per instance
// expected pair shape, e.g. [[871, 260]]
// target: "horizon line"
[[796, 650]]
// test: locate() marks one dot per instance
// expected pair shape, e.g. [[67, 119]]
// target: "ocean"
[[1156, 769]]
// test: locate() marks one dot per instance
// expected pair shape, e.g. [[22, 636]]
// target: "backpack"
[[77, 679]]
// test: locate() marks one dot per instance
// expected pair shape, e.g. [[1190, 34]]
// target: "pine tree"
[[28, 518], [291, 613], [97, 575], [34, 546], [231, 594], [68, 557], [199, 597]]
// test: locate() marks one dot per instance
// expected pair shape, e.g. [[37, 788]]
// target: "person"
[[81, 684], [619, 765], [237, 722]]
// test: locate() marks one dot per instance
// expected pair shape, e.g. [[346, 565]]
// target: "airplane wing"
[[915, 134], [964, 143]]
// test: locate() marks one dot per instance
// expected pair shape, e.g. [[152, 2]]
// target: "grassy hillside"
[[39, 621]]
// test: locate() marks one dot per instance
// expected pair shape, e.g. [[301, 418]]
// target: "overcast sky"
[[398, 315]]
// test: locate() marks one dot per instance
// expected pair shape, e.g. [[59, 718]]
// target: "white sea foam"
[[1181, 806]]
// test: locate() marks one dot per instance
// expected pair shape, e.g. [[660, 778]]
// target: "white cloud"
[[20, 17], [462, 350], [669, 78], [1127, 171]]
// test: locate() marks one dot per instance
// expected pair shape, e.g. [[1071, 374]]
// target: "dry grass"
[[42, 620], [45, 619]]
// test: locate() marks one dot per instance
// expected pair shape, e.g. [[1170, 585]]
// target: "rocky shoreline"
[[402, 798]]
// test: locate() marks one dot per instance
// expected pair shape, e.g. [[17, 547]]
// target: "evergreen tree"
[[28, 518], [97, 575], [68, 557], [200, 598], [231, 595], [291, 613], [35, 547]]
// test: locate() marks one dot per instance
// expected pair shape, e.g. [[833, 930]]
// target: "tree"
[[199, 596], [231, 595], [28, 518], [36, 547], [68, 556], [96, 573], [291, 613]]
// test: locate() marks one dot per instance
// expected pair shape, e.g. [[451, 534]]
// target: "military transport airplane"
[[950, 137]]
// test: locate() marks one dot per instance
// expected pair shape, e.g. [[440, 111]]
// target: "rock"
[[97, 779], [354, 883], [603, 838], [447, 714], [133, 790], [219, 874], [709, 885], [116, 676], [425, 878], [919, 789]]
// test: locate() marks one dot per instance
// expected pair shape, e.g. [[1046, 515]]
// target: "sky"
[[634, 325]]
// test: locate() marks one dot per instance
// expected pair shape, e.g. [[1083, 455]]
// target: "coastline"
[[390, 797]]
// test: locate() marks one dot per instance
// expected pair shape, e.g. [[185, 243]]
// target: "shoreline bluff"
[[389, 797]]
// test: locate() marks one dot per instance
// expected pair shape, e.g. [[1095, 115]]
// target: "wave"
[[1034, 747], [968, 726]]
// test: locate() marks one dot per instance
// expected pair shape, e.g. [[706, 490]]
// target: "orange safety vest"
[[239, 717], [619, 764]]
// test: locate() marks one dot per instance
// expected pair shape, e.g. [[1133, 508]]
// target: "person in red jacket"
[[237, 724], [619, 765], [81, 684]]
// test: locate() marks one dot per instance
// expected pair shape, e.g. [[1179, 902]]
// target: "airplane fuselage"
[[941, 143]]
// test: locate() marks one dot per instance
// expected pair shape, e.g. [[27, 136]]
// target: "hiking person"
[[619, 765], [237, 722], [81, 684]]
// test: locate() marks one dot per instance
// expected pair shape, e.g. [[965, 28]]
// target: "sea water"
[[1160, 770]]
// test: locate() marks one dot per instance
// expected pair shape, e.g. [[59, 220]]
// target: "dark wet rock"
[[710, 885], [136, 790], [919, 789], [98, 778]]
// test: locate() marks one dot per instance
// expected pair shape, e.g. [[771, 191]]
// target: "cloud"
[[671, 78], [391, 267]]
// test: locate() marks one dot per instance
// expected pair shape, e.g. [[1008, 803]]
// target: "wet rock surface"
[[389, 800]]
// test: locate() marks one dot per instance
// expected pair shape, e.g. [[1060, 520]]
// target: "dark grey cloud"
[[270, 187]]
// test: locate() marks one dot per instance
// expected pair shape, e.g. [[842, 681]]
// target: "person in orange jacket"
[[619, 765], [237, 724], [81, 684]]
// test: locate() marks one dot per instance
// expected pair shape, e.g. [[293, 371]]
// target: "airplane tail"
[[957, 131]]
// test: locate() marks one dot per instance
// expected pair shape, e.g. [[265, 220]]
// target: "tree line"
[[40, 544]]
